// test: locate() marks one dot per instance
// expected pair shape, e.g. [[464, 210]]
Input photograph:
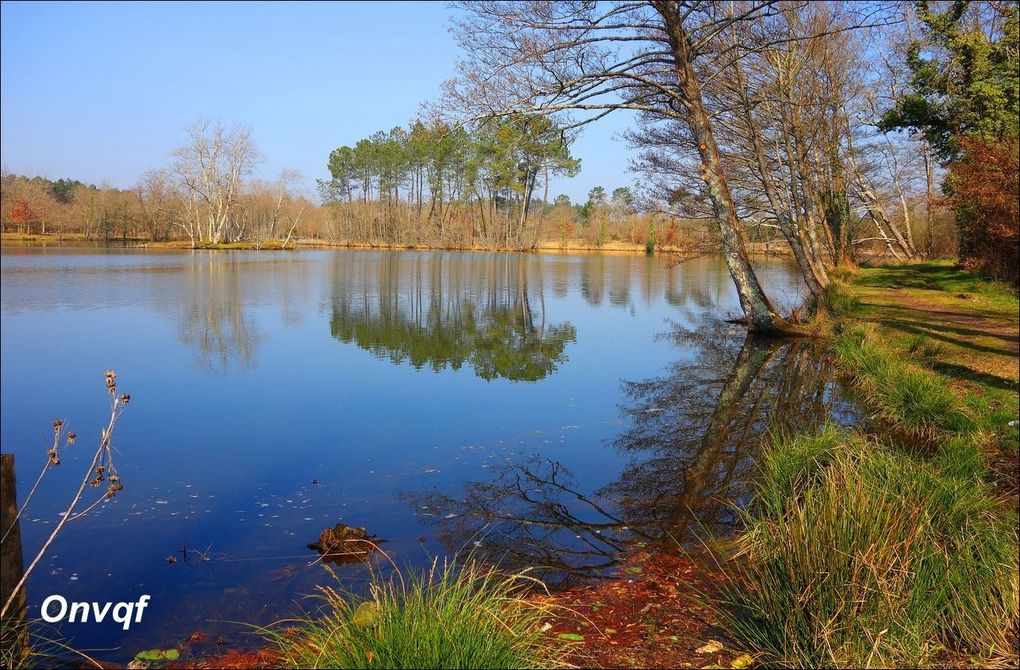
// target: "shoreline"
[[547, 247]]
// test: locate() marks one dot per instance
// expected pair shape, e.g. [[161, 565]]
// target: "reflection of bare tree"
[[214, 321], [696, 432], [693, 437], [530, 514], [437, 311]]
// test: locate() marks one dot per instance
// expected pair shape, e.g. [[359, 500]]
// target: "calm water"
[[539, 410]]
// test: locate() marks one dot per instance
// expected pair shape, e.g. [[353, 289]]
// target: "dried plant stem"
[[104, 446], [24, 505]]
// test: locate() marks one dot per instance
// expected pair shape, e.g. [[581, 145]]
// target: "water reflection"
[[253, 335], [214, 321], [435, 311], [694, 432], [529, 515], [692, 436]]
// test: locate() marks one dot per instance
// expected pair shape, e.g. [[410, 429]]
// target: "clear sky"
[[103, 91]]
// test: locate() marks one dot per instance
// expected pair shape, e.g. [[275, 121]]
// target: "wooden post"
[[12, 567]]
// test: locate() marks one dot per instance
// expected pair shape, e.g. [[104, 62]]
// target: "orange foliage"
[[670, 236], [22, 214], [985, 194]]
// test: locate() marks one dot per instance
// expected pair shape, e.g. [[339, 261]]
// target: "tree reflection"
[[214, 320], [695, 433], [692, 440], [437, 312], [531, 514]]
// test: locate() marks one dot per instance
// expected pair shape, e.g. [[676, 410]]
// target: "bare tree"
[[594, 58], [160, 203], [211, 167]]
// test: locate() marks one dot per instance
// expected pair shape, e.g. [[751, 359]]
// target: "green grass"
[[37, 644], [856, 555], [840, 301], [924, 349], [942, 276], [891, 544], [908, 399], [13, 653], [453, 616]]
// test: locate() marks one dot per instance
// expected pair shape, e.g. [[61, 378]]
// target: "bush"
[[985, 192]]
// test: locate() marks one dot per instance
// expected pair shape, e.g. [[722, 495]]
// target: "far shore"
[[776, 248]]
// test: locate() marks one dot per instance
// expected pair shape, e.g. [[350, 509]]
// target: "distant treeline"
[[429, 185]]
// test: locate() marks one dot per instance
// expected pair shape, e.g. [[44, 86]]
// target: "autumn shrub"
[[985, 193]]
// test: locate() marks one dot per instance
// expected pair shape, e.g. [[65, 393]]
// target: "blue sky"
[[103, 91]]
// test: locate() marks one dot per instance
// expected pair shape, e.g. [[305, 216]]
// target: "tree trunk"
[[758, 309], [13, 566], [814, 277]]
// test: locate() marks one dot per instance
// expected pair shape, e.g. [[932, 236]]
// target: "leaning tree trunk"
[[874, 205], [814, 274], [760, 314]]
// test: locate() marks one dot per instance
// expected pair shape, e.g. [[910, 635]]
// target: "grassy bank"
[[894, 544], [269, 245]]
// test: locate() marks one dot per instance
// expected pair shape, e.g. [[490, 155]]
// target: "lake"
[[538, 410]]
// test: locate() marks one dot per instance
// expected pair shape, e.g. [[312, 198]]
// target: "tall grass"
[[881, 550], [453, 616], [858, 556], [840, 301], [13, 649], [913, 401]]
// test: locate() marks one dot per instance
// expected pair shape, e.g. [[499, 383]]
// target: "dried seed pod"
[[71, 437]]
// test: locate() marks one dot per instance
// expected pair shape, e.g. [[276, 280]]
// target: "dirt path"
[[978, 335]]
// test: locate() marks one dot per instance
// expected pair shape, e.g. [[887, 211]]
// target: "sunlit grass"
[[940, 276], [840, 300], [452, 616], [859, 556], [889, 549], [13, 651], [907, 398]]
